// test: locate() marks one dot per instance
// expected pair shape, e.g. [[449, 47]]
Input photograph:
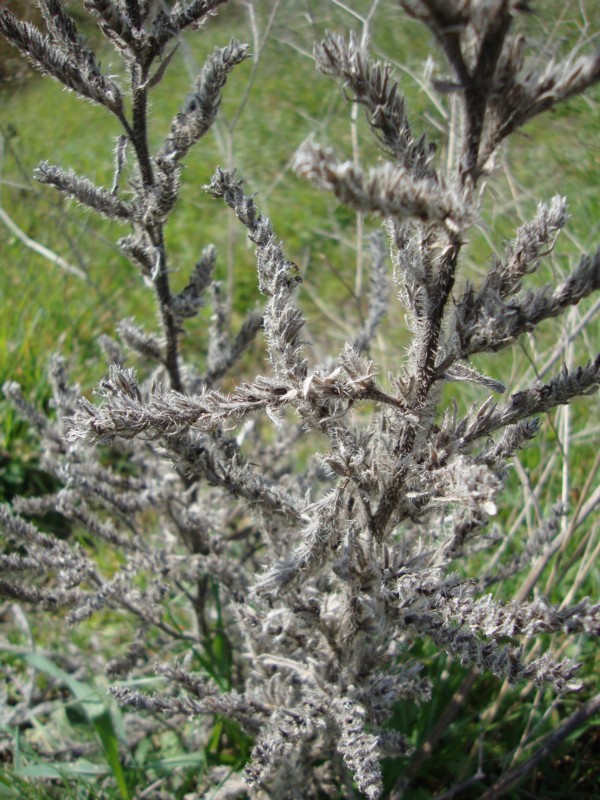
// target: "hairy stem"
[[139, 79]]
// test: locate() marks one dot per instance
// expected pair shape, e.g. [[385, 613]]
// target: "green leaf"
[[91, 707], [110, 744], [177, 762], [141, 751], [212, 745], [61, 769], [88, 696]]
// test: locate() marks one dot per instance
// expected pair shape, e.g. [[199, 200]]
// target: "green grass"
[[44, 310]]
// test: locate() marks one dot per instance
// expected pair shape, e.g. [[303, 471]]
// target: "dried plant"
[[318, 575]]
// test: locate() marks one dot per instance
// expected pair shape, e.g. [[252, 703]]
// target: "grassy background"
[[270, 106]]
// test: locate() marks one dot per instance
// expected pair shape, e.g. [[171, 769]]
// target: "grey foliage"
[[191, 298], [379, 294], [277, 279], [82, 189], [390, 190], [200, 108], [319, 517], [373, 86], [62, 55]]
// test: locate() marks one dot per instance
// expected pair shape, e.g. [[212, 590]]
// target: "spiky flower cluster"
[[326, 571]]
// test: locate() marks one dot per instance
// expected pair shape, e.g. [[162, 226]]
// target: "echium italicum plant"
[[317, 575]]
